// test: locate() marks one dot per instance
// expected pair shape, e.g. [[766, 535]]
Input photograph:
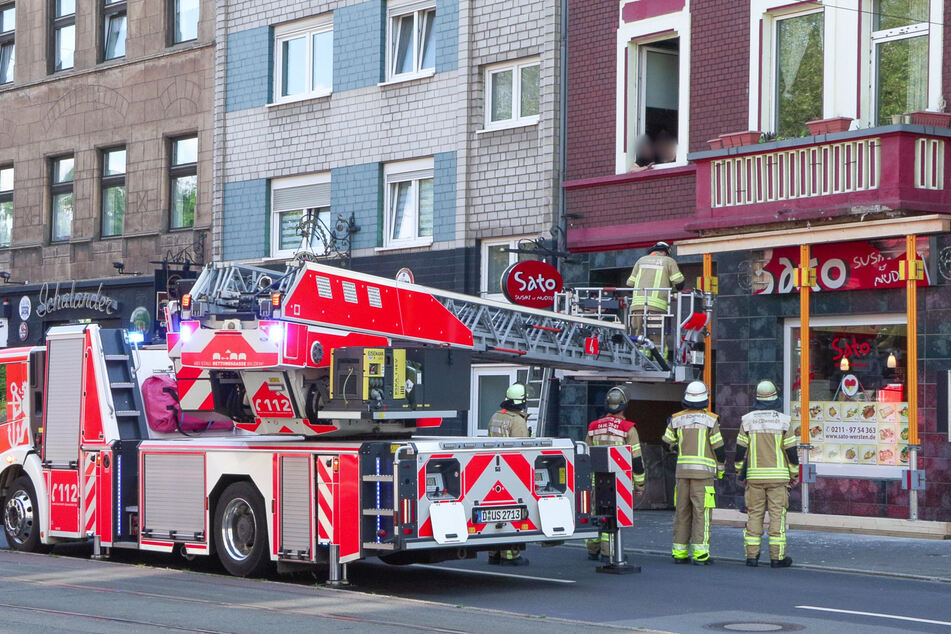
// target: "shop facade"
[[28, 311]]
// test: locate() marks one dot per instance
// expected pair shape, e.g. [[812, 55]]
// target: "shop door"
[[489, 384]]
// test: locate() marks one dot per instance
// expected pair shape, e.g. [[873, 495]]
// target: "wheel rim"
[[238, 529], [18, 517]]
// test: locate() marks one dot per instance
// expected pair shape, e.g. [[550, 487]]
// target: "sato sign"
[[839, 267], [531, 283]]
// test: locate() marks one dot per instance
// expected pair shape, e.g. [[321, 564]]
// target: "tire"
[[241, 531], [21, 517]]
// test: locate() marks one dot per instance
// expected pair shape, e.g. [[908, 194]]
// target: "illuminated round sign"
[[140, 320], [25, 308], [405, 275], [531, 283], [24, 331]]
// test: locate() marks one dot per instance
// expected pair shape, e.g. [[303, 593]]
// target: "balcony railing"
[[884, 168]]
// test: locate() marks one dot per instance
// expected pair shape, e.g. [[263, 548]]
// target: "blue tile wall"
[[248, 76], [359, 44], [245, 226], [358, 189], [444, 196], [447, 35]]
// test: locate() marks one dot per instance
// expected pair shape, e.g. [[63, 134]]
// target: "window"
[[900, 57], [61, 198], [6, 205], [7, 49], [658, 99], [183, 20], [304, 54], [512, 94], [183, 181], [114, 28], [113, 191], [63, 38], [300, 205], [411, 50], [799, 72], [408, 204], [488, 387], [496, 258]]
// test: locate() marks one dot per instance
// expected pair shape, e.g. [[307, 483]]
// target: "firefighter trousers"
[[650, 328], [694, 500], [602, 545], [760, 498]]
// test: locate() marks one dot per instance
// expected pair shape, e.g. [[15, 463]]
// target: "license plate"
[[488, 515]]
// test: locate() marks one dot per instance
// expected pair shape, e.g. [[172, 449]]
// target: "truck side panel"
[[347, 509]]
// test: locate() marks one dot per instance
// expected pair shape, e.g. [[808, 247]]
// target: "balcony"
[[859, 172]]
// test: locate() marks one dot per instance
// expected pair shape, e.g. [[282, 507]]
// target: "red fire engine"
[[277, 426]]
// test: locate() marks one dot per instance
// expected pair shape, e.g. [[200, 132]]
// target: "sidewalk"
[[927, 559]]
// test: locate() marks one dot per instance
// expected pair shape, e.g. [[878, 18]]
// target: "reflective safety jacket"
[[654, 272], [765, 449], [617, 430], [509, 423], [696, 435]]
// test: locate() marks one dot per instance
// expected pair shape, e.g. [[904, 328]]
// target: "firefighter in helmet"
[[651, 276], [695, 433], [510, 422], [767, 458], [614, 429]]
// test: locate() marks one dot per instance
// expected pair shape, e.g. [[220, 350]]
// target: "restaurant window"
[[63, 40], [113, 191], [657, 109], [183, 20], [61, 198], [113, 28], [7, 44], [488, 386], [900, 57], [858, 408], [183, 181], [6, 205]]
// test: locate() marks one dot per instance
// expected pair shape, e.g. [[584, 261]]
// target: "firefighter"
[[652, 275], [767, 458], [695, 433], [614, 429], [510, 422]]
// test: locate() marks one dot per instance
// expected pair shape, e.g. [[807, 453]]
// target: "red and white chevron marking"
[[89, 492], [325, 501], [620, 466], [194, 388]]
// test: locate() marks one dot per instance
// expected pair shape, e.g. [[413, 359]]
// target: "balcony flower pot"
[[828, 126], [716, 144], [934, 119], [738, 139]]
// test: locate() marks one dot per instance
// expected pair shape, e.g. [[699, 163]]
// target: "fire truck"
[[277, 422]]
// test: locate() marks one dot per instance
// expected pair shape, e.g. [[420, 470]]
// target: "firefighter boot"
[[752, 562], [785, 562]]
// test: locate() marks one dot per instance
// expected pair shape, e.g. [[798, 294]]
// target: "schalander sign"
[[73, 300], [531, 283]]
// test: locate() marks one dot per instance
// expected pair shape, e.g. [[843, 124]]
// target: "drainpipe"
[[562, 220]]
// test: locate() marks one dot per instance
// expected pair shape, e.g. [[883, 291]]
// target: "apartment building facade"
[[751, 131], [397, 136], [105, 157]]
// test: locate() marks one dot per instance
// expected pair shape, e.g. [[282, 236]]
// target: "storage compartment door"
[[63, 403], [296, 508], [174, 496]]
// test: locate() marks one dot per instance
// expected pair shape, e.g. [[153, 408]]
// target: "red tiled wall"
[[631, 203], [592, 76]]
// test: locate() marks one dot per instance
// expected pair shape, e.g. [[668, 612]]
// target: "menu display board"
[[856, 432]]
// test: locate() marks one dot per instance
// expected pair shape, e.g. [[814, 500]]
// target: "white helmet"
[[696, 394], [516, 393], [766, 391]]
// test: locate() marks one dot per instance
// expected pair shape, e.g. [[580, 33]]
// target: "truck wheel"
[[21, 517], [241, 531]]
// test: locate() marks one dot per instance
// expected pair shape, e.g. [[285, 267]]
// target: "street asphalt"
[[904, 585]]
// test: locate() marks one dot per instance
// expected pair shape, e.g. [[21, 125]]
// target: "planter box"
[[934, 119], [828, 126], [738, 139], [716, 144]]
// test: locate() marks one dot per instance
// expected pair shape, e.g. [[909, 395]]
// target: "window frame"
[[57, 189], [486, 244], [413, 171], [170, 14], [771, 103], [277, 184], [516, 66], [108, 182], [106, 11], [56, 24], [308, 29], [399, 9], [181, 171], [8, 38], [6, 196], [885, 36]]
